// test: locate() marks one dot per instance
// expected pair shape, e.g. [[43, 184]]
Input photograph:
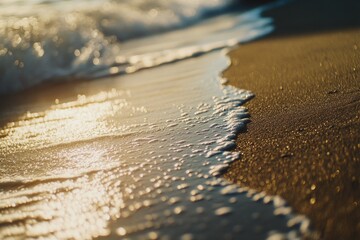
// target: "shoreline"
[[303, 141], [95, 172]]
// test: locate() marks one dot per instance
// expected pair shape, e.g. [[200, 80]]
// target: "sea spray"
[[61, 40]]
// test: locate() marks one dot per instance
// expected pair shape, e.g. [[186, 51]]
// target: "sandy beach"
[[303, 142], [114, 125]]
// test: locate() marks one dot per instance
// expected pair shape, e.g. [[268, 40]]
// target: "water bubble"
[[121, 231], [196, 198], [187, 236], [223, 211], [153, 235], [230, 189], [174, 200], [217, 170], [179, 209]]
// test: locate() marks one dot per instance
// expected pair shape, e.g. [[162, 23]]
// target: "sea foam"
[[65, 40], [138, 162], [141, 157]]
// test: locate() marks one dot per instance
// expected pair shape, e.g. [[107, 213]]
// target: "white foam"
[[86, 43], [110, 166]]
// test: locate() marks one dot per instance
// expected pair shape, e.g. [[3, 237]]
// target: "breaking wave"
[[61, 40]]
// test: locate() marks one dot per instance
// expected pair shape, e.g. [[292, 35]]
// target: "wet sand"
[[303, 142]]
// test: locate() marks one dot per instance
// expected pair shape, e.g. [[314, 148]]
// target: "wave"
[[47, 40]]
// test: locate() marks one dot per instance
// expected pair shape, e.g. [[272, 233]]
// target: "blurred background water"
[[52, 40]]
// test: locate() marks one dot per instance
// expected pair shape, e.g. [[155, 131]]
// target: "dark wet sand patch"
[[304, 140]]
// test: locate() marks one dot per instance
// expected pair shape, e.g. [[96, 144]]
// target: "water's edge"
[[140, 154], [281, 206]]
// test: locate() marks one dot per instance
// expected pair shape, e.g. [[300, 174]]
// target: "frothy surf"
[[137, 155], [151, 173], [61, 40]]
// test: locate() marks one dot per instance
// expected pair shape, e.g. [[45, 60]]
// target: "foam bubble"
[[109, 165]]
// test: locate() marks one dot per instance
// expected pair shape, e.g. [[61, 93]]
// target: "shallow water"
[[139, 159], [138, 154]]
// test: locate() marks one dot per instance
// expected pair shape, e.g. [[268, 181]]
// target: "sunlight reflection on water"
[[81, 177]]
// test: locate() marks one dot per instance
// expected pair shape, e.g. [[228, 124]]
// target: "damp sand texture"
[[303, 142]]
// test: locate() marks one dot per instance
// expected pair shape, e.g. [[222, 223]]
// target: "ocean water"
[[137, 150], [58, 40]]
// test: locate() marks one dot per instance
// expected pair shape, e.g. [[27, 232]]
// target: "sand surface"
[[303, 142]]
